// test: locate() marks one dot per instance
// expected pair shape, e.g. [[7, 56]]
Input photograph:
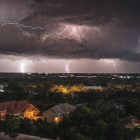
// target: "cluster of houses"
[[53, 115], [133, 123], [25, 109]]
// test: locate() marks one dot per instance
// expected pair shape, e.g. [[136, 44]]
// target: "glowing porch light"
[[56, 119]]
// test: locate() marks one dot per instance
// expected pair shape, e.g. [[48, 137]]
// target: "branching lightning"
[[24, 28], [76, 33], [79, 36], [20, 26], [55, 33]]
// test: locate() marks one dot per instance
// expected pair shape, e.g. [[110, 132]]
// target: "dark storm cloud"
[[14, 9], [97, 12], [97, 29]]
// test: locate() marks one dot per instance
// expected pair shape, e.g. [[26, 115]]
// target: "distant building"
[[93, 87], [19, 108], [56, 113]]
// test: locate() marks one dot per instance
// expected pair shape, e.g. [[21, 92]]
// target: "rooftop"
[[63, 108], [13, 107]]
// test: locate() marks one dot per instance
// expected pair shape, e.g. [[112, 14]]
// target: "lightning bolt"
[[24, 28], [79, 36], [22, 67], [55, 33], [20, 26], [115, 68], [113, 62], [67, 65], [76, 33]]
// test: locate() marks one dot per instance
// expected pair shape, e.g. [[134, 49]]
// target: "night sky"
[[72, 36]]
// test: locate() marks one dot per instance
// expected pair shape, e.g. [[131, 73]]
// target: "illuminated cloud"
[[70, 30]]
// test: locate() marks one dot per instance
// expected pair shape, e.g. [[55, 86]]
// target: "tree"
[[11, 127], [80, 86]]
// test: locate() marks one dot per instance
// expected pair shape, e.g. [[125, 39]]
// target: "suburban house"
[[135, 122], [20, 108], [56, 113]]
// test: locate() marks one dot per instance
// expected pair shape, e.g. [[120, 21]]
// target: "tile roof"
[[13, 107], [25, 107], [129, 125], [136, 121], [63, 108]]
